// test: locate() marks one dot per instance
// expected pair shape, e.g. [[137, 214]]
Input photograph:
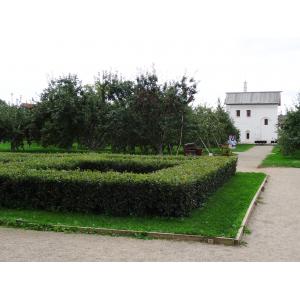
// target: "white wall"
[[255, 123]]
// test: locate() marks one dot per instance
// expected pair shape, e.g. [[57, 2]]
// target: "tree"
[[289, 130], [211, 126], [122, 130], [59, 116], [147, 107], [225, 124], [203, 126], [14, 125], [160, 110], [179, 96], [145, 114], [95, 123]]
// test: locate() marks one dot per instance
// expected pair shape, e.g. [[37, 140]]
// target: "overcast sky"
[[220, 43]]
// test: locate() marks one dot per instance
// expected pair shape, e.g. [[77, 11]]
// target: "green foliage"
[[289, 131], [14, 125], [224, 124], [243, 147], [108, 117], [226, 151], [126, 185], [147, 114], [222, 214], [59, 116], [247, 230], [211, 126], [277, 159], [36, 148], [128, 116]]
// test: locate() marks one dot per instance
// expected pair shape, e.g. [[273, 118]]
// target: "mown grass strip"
[[243, 228], [243, 147], [277, 159]]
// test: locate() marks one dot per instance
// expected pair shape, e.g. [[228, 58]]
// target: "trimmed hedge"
[[116, 185]]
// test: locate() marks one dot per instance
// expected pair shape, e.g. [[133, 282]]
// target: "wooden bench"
[[192, 149]]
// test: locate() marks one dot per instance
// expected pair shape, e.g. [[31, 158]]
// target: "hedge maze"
[[116, 185]]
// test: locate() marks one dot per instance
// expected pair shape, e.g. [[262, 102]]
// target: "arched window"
[[247, 135], [266, 121]]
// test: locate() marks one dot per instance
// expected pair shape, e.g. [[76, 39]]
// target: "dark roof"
[[26, 105], [273, 97]]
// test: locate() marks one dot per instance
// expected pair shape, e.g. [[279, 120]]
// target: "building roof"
[[273, 97], [27, 105]]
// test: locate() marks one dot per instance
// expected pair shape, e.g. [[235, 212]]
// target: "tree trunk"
[[12, 146], [160, 149], [181, 131]]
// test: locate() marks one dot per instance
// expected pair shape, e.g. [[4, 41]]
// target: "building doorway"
[[247, 135]]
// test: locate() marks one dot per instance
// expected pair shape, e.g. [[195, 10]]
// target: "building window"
[[247, 135], [266, 122], [248, 113], [238, 113]]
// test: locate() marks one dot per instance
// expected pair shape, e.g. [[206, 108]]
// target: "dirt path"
[[275, 232], [250, 160]]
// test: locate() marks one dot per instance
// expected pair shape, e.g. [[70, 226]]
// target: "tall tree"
[[95, 123], [289, 130], [14, 125], [123, 132], [210, 126], [178, 95], [59, 115], [225, 126], [160, 110]]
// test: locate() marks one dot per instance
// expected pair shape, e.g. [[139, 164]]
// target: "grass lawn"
[[35, 148], [239, 148], [220, 216], [276, 159], [243, 147]]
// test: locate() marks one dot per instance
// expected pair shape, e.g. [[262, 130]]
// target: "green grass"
[[243, 147], [277, 159], [239, 148], [36, 148], [220, 216]]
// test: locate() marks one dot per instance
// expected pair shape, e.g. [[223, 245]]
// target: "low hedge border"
[[151, 185]]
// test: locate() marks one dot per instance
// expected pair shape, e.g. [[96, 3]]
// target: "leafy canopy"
[[289, 130]]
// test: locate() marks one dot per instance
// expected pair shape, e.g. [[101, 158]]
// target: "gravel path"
[[275, 232]]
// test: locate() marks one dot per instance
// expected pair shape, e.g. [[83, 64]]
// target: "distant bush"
[[289, 131], [126, 184], [14, 125]]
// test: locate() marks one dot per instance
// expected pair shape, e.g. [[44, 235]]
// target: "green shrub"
[[289, 130], [116, 185]]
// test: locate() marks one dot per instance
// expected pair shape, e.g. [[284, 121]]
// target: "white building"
[[255, 114]]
